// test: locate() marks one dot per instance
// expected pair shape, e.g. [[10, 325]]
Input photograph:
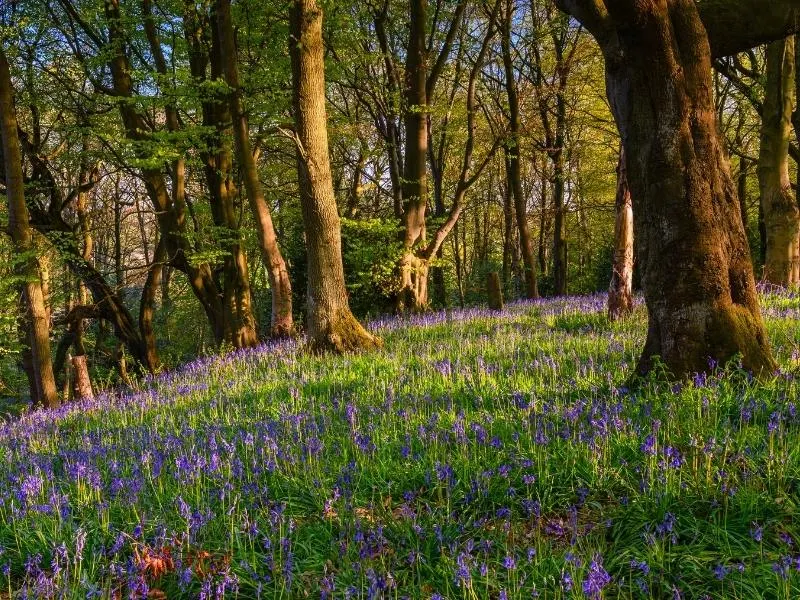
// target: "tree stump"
[[495, 291]]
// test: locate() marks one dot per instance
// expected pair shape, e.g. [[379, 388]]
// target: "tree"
[[331, 324], [421, 79], [22, 238], [512, 156], [781, 214], [282, 324], [696, 270], [551, 100], [620, 290]]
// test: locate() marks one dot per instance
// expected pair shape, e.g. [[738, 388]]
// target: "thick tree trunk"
[[331, 325], [282, 323], [695, 260], [620, 291], [21, 237], [781, 214]]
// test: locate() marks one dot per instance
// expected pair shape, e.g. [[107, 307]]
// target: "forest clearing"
[[430, 299], [480, 454]]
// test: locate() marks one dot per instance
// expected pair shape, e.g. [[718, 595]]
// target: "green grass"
[[420, 470]]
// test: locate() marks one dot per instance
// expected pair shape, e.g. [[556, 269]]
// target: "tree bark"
[[82, 385], [696, 270], [282, 321], [413, 293], [781, 214], [620, 291], [22, 238], [331, 324]]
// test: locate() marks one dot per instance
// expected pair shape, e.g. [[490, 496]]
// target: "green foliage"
[[370, 251]]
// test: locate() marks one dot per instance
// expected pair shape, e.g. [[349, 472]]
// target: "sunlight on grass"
[[479, 455]]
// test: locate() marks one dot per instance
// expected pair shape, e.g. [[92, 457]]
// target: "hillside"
[[478, 456]]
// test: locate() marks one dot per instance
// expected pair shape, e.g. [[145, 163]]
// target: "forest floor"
[[478, 456]]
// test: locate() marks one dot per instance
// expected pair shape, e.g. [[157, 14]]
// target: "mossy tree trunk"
[[331, 324], [696, 270]]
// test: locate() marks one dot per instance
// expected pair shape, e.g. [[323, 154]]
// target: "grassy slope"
[[477, 455]]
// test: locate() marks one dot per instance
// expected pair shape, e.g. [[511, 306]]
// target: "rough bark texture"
[[282, 324], [781, 214], [331, 324], [494, 291], [21, 237], [696, 271], [620, 291]]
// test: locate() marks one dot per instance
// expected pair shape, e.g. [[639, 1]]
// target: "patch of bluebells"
[[483, 453]]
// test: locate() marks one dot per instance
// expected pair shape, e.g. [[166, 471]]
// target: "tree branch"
[[737, 25]]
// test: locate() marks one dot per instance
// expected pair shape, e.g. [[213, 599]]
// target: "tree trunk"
[[413, 293], [781, 214], [508, 232], [559, 207], [741, 188], [331, 325], [620, 291], [169, 211], [521, 210], [494, 290], [147, 309], [22, 238], [796, 113], [282, 320], [82, 385], [695, 260], [543, 227], [512, 151]]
